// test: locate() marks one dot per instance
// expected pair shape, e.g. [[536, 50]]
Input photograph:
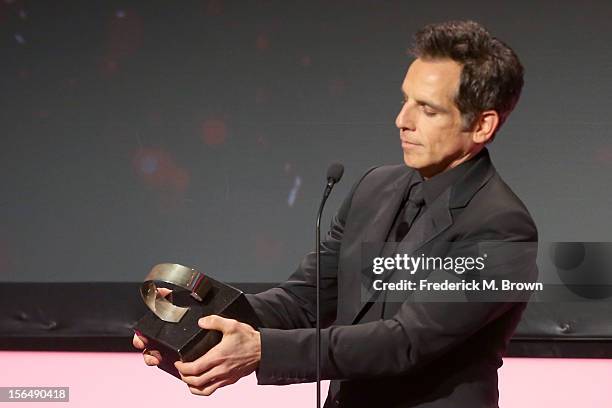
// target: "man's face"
[[431, 130]]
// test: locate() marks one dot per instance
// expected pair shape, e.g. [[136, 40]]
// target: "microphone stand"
[[326, 192]]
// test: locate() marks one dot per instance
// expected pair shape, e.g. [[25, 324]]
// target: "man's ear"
[[485, 127]]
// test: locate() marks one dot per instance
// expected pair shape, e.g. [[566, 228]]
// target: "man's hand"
[[151, 357], [237, 355]]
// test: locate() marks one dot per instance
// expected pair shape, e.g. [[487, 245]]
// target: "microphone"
[[334, 174]]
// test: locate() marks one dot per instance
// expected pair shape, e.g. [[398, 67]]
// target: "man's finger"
[[212, 375], [152, 357], [195, 390], [209, 389], [164, 291], [150, 360], [139, 342], [201, 364], [195, 367]]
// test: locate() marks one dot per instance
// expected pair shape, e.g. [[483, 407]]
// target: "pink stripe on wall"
[[104, 380], [555, 383]]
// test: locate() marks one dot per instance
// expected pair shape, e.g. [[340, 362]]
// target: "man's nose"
[[404, 119]]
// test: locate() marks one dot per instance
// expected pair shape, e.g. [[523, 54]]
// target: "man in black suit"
[[461, 87]]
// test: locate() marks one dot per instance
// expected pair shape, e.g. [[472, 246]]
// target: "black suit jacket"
[[397, 354]]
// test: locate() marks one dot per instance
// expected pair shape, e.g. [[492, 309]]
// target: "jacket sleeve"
[[416, 334], [292, 304]]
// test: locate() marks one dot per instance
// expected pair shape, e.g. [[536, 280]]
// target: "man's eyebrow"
[[424, 102]]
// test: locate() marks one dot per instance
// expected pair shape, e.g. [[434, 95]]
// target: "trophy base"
[[185, 340]]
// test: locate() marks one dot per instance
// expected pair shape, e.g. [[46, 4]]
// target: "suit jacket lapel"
[[387, 203], [390, 201], [432, 223]]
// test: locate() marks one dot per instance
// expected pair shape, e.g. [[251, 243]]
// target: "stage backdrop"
[[198, 132]]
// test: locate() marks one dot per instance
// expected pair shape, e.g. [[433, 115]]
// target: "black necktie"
[[410, 212]]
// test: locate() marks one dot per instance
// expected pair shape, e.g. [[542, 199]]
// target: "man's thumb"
[[214, 322]]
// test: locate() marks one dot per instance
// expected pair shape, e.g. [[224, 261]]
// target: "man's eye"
[[428, 111]]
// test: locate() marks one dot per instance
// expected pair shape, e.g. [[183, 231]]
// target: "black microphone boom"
[[334, 174]]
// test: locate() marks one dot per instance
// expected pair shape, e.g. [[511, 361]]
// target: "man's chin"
[[422, 168], [411, 162]]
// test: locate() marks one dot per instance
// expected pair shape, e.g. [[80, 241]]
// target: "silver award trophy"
[[171, 324]]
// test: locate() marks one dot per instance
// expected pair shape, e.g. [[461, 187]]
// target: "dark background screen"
[[199, 132]]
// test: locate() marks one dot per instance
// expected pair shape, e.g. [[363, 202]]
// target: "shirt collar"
[[436, 185]]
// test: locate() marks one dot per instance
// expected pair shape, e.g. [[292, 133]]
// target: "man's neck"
[[469, 155]]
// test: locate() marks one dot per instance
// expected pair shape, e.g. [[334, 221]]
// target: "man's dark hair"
[[492, 75]]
